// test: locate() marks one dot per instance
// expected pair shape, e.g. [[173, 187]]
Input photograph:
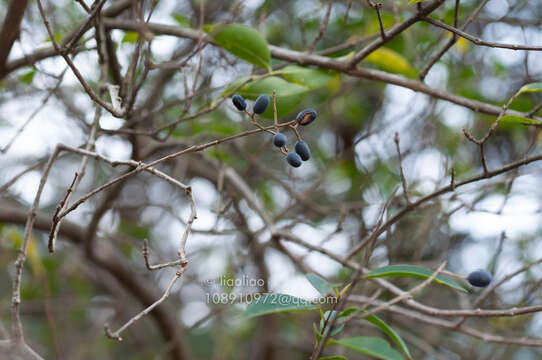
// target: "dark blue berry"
[[479, 278], [239, 102], [306, 116], [293, 159], [302, 149], [261, 104], [279, 140]]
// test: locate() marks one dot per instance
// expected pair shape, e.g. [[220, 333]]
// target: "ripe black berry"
[[306, 116], [279, 140], [302, 149], [239, 102], [261, 104], [479, 278], [293, 159]]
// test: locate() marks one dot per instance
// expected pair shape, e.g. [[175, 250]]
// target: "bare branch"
[[323, 27]]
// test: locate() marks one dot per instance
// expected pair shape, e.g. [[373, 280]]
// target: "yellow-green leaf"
[[373, 25], [415, 1], [130, 37], [532, 87], [516, 119], [391, 61], [244, 42], [462, 45]]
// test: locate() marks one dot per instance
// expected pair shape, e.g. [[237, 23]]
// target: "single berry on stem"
[[479, 278], [306, 116], [293, 159], [302, 149], [261, 104], [239, 102], [279, 140]]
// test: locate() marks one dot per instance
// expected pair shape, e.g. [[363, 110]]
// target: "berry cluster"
[[305, 117]]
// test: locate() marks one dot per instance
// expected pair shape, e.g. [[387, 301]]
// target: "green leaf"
[[27, 77], [391, 61], [343, 291], [130, 37], [320, 284], [329, 316], [244, 42], [274, 303], [369, 345], [322, 316], [515, 119], [415, 1], [289, 95], [338, 327], [412, 271], [181, 20], [375, 320], [336, 330], [533, 87], [311, 78], [316, 332], [348, 311], [58, 38], [334, 357]]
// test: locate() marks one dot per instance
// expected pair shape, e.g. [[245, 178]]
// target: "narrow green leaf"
[[336, 330], [532, 87], [289, 95], [369, 345], [334, 357], [343, 291], [316, 332], [244, 42], [328, 317], [375, 320], [322, 316], [320, 284], [515, 119], [311, 78], [391, 61], [130, 37], [348, 311], [412, 271], [415, 1], [274, 303]]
